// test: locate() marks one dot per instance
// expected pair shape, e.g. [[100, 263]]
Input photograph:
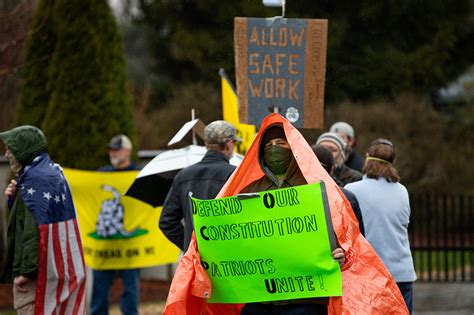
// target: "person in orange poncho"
[[368, 288], [281, 171]]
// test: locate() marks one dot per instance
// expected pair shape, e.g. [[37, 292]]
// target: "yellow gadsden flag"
[[230, 109], [118, 232]]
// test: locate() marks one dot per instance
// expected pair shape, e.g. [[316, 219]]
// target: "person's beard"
[[116, 162], [339, 161]]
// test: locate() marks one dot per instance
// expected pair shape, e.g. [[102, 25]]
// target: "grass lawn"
[[439, 261]]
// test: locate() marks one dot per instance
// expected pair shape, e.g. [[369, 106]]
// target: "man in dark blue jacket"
[[120, 150], [204, 179]]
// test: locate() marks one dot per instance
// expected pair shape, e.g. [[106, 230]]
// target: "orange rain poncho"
[[367, 286]]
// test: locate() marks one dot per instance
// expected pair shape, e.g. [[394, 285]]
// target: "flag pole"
[[193, 116]]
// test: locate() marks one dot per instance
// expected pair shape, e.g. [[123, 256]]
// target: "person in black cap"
[[342, 174], [120, 150], [204, 179]]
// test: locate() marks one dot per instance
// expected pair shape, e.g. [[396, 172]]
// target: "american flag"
[[61, 274]]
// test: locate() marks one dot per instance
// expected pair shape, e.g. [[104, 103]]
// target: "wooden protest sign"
[[281, 63], [268, 246]]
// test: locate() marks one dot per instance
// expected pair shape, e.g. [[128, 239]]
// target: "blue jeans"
[[101, 288], [288, 309], [406, 288]]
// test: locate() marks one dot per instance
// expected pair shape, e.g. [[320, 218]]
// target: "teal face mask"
[[277, 159]]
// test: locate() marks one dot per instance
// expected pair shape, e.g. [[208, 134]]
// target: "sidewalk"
[[450, 298], [429, 298]]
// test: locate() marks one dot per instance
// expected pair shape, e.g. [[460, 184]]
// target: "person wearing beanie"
[[326, 159], [353, 160], [342, 174]]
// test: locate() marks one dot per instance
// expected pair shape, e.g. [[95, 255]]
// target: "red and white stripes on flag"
[[61, 276]]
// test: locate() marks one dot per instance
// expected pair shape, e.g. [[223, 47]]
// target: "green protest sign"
[[268, 246]]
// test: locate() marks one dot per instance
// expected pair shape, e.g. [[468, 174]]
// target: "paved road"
[[443, 298]]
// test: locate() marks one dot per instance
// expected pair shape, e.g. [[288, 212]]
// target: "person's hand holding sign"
[[338, 254]]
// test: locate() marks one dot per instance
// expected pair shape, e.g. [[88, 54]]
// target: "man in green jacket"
[[22, 236], [44, 251]]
